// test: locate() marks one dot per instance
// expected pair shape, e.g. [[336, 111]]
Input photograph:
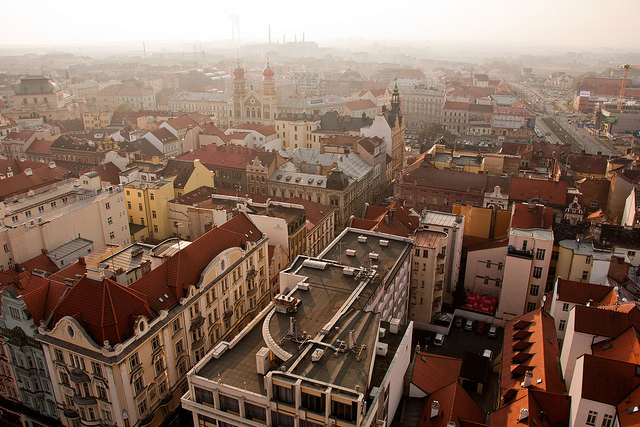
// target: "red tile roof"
[[455, 406], [624, 348], [315, 212], [40, 177], [166, 284], [108, 172], [606, 321], [211, 129], [587, 164], [40, 146], [225, 156], [544, 409], [532, 335], [266, 130], [182, 122], [360, 104], [523, 189], [107, 310], [24, 135], [395, 219], [526, 218], [627, 415], [581, 292], [432, 372], [606, 380], [41, 296], [40, 262], [450, 105]]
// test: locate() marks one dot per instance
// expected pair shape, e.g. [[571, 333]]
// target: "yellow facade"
[[298, 133], [96, 120], [147, 206]]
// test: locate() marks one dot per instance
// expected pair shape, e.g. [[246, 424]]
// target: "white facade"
[[382, 130], [485, 271], [57, 216]]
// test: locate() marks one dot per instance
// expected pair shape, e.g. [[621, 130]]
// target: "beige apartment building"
[[119, 354]]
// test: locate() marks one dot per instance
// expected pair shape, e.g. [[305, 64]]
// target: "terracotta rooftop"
[[455, 405], [587, 164], [526, 218], [606, 380], [182, 122], [315, 212], [581, 292], [41, 175], [451, 105], [628, 409], [624, 347], [182, 170], [606, 321], [224, 156], [41, 296], [530, 343], [395, 219], [40, 262], [360, 104], [40, 146], [108, 172], [433, 372], [266, 130], [107, 310], [524, 189], [544, 409], [166, 284], [211, 129]]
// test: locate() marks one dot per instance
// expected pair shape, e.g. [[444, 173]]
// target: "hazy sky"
[[562, 23]]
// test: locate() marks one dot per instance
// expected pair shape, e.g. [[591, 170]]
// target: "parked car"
[[468, 326], [481, 328], [493, 331], [438, 339], [488, 354], [458, 322]]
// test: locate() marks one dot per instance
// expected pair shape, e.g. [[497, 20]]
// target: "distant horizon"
[[561, 26]]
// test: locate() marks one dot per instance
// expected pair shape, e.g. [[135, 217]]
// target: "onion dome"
[[268, 72], [238, 73]]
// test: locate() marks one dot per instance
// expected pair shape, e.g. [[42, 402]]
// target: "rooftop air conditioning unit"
[[362, 239], [351, 252]]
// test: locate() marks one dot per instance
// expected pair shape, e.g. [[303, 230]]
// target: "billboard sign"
[[590, 125], [585, 93]]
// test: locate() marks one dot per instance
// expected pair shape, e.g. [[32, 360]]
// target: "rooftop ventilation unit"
[[350, 252], [382, 349], [384, 242], [317, 355], [311, 263], [348, 271], [262, 361], [373, 255], [362, 239]]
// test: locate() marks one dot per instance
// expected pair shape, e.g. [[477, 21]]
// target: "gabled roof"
[[624, 347], [224, 156], [182, 122], [211, 129], [40, 176], [165, 285], [360, 104], [23, 136], [587, 163], [164, 135], [432, 372], [544, 409], [524, 189], [581, 292], [40, 262], [108, 172], [455, 406], [629, 409], [395, 219], [181, 169], [315, 212], [527, 217], [604, 321], [107, 310], [41, 296], [266, 130], [148, 149], [537, 331], [607, 381], [40, 146]]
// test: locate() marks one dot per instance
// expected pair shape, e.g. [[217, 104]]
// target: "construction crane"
[[626, 68]]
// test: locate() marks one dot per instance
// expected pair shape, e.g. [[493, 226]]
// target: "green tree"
[[435, 132]]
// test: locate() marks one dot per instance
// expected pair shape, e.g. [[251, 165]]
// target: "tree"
[[434, 132]]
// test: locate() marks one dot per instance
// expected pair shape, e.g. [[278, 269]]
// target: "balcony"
[[251, 273], [519, 253], [79, 376], [227, 313], [196, 322], [84, 400]]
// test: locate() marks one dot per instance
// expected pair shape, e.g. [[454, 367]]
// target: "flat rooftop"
[[128, 258], [324, 320]]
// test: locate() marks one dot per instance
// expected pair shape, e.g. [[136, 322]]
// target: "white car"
[[438, 339]]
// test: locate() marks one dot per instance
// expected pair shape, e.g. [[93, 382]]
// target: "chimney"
[[435, 409], [528, 376], [524, 413]]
